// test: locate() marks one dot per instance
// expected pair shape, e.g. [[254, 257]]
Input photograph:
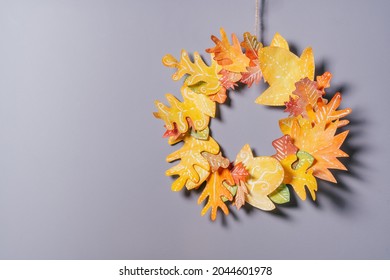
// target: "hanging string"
[[257, 19]]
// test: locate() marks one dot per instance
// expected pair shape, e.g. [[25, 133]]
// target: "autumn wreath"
[[307, 150]]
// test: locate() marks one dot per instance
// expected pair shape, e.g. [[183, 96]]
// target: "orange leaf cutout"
[[323, 81], [220, 96], [320, 142], [251, 46], [284, 147], [328, 112], [253, 75], [215, 190], [216, 161], [230, 57], [240, 173]]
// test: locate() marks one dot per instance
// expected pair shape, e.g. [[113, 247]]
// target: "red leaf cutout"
[[239, 173], [284, 147]]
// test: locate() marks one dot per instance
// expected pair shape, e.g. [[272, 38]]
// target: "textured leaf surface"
[[299, 176], [282, 69], [196, 107], [320, 142], [265, 175], [216, 161], [215, 191], [230, 57], [204, 79], [190, 155], [242, 192], [284, 147], [281, 195]]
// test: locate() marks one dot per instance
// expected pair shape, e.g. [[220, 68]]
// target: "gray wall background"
[[82, 160]]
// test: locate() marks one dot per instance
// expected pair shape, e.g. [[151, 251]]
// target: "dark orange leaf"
[[220, 96], [284, 147], [239, 173]]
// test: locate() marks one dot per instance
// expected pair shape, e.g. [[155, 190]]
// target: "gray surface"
[[82, 160]]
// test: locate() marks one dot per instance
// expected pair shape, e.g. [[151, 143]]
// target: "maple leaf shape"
[[230, 57], [265, 175], [201, 78], [239, 173], [284, 147], [229, 79], [190, 155], [215, 190], [282, 69], [220, 96], [216, 161], [251, 46], [299, 176], [196, 107], [328, 112], [320, 142]]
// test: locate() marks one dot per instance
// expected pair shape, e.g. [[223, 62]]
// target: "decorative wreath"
[[307, 150]]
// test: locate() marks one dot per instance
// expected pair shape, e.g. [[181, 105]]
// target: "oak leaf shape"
[[216, 161], [215, 191], [282, 69], [190, 155], [201, 78], [196, 107], [230, 57], [298, 176]]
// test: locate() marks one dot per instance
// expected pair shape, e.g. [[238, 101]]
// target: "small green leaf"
[[201, 134], [232, 190], [281, 195]]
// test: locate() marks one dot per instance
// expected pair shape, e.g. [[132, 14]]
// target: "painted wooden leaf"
[[251, 46], [230, 57], [265, 175], [284, 147], [323, 81], [190, 155], [328, 112], [321, 142], [282, 69], [196, 107], [215, 190], [201, 134], [216, 161], [242, 192], [229, 79], [281, 195], [201, 78], [240, 173], [252, 76], [299, 176], [220, 96], [203, 175], [307, 93]]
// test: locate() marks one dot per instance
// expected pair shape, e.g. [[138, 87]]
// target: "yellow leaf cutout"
[[299, 176], [320, 142], [282, 69], [215, 191], [230, 57], [203, 175], [196, 107], [201, 78], [190, 155], [266, 174]]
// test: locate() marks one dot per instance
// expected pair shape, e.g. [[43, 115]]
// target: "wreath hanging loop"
[[307, 150]]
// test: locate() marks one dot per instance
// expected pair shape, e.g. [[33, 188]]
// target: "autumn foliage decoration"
[[307, 150]]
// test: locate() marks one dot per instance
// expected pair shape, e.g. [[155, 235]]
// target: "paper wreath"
[[307, 150]]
